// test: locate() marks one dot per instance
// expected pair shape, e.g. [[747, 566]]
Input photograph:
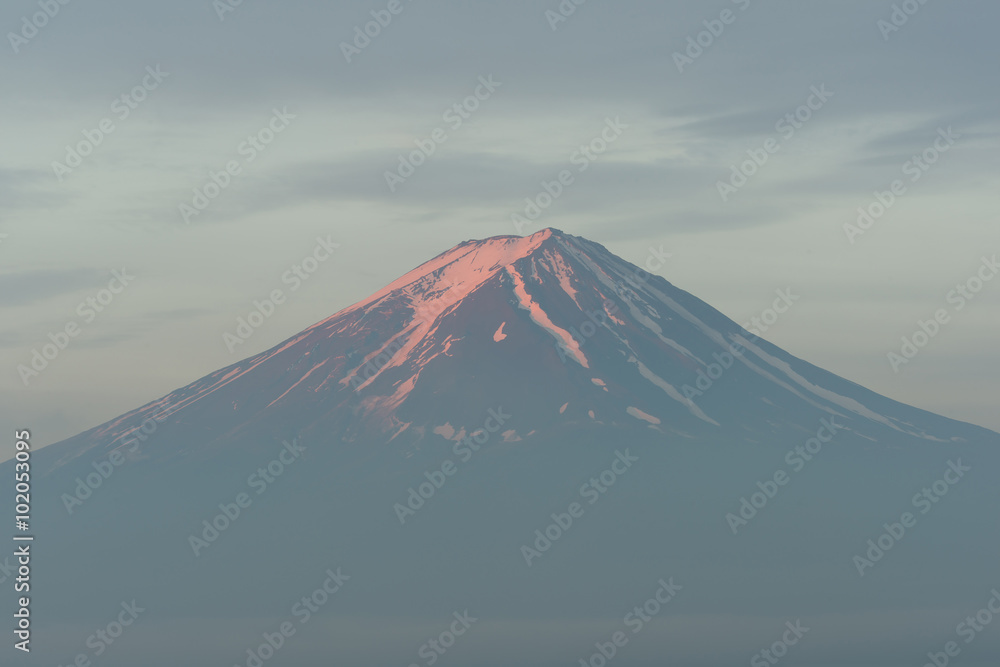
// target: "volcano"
[[525, 450]]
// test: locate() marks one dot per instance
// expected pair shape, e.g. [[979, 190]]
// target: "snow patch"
[[446, 430], [563, 273], [511, 436], [388, 404], [671, 391], [639, 414], [539, 317], [499, 335], [847, 403], [618, 290], [402, 427], [301, 380], [448, 342], [465, 267]]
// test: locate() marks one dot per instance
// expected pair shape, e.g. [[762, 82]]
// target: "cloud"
[[29, 287], [19, 189]]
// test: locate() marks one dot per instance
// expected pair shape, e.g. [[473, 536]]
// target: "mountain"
[[534, 433]]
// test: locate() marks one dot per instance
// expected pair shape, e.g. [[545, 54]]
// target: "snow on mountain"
[[566, 311]]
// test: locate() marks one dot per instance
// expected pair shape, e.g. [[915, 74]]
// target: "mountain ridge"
[[531, 280]]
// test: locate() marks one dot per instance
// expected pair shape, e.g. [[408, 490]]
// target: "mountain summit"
[[530, 440], [551, 326]]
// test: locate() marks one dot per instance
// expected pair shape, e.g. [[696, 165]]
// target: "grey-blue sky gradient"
[[655, 185]]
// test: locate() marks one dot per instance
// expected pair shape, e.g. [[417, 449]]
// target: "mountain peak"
[[540, 235], [464, 267], [550, 326]]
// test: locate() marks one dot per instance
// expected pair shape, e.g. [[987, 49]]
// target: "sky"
[[169, 166]]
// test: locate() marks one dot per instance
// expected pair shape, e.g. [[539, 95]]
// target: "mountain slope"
[[432, 440], [574, 318]]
